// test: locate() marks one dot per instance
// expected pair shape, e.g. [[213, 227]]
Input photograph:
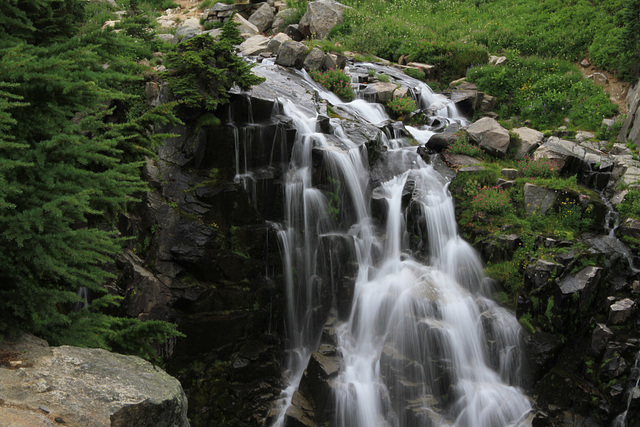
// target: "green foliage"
[[463, 146], [401, 106], [630, 206], [534, 168], [336, 81], [70, 157], [202, 70], [491, 200], [299, 7], [544, 92], [415, 73], [454, 33]]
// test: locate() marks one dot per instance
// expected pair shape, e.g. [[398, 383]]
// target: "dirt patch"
[[12, 360], [615, 88]]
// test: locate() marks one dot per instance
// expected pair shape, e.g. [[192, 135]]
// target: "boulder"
[[541, 272], [188, 30], [276, 41], [630, 228], [291, 54], [466, 97], [631, 126], [490, 135], [600, 338], [86, 387], [262, 18], [321, 16], [247, 29], [380, 92], [334, 61], [294, 32], [281, 18], [530, 139], [254, 45], [314, 60], [620, 311], [538, 199], [584, 283]]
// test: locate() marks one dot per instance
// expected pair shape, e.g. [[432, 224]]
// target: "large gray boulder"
[[247, 29], [538, 199], [291, 54], [321, 16], [380, 92], [530, 139], [262, 18], [85, 387], [488, 133], [188, 30], [276, 41], [254, 45], [631, 127], [314, 60]]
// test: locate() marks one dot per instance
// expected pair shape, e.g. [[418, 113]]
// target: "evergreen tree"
[[67, 167]]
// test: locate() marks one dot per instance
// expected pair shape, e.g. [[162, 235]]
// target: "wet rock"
[[321, 16], [600, 338], [291, 54], [381, 92], [538, 199], [440, 141], [314, 60], [541, 351], [300, 413], [262, 17], [490, 135], [621, 311], [466, 98], [130, 390], [530, 139], [613, 368], [630, 228]]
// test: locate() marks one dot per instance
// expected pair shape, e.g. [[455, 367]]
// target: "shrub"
[[415, 73], [462, 145], [538, 168], [336, 81], [491, 200], [630, 206], [452, 59], [401, 106]]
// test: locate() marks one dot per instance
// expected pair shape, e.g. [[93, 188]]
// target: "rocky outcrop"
[[492, 137], [262, 17], [631, 127], [321, 16], [42, 385], [291, 54], [528, 140]]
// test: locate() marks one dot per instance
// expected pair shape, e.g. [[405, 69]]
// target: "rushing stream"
[[422, 344]]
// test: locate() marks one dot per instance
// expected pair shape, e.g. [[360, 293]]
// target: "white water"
[[422, 345]]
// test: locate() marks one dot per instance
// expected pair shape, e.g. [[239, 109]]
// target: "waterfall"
[[421, 343]]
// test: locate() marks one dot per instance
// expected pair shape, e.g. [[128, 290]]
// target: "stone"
[[262, 18], [530, 139], [281, 18], [631, 126], [538, 199], [497, 60], [276, 41], [87, 387], [571, 157], [541, 272], [490, 135], [334, 61], [188, 30], [321, 16], [600, 338], [428, 70], [294, 33], [291, 54], [246, 28], [510, 173], [440, 142], [381, 92], [487, 103], [584, 282], [254, 45], [630, 228], [599, 79], [620, 311], [314, 60]]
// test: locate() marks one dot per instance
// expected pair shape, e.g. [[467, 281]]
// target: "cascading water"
[[421, 344]]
